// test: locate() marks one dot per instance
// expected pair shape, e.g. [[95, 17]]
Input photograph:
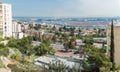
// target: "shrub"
[[2, 65], [4, 52], [26, 67], [76, 52], [16, 57]]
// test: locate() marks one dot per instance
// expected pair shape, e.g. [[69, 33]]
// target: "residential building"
[[5, 20], [59, 47], [16, 30], [79, 42], [99, 45], [116, 41]]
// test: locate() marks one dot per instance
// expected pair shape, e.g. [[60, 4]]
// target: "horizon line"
[[71, 17]]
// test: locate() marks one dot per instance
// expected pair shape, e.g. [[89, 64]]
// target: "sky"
[[65, 8]]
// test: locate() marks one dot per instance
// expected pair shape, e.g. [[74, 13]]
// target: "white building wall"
[[6, 20], [16, 30]]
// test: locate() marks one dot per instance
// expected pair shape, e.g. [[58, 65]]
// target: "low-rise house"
[[99, 45], [36, 43], [79, 42], [48, 35], [84, 31], [59, 47], [46, 60], [103, 39], [73, 43], [100, 39], [33, 32]]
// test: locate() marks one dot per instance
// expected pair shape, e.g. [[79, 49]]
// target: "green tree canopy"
[[98, 61], [24, 45], [44, 47]]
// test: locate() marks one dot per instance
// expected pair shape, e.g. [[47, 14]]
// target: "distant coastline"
[[76, 19]]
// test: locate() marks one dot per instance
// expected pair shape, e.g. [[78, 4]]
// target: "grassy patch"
[[25, 67], [2, 65], [32, 58], [4, 52]]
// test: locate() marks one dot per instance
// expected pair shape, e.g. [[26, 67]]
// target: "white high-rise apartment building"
[[5, 20]]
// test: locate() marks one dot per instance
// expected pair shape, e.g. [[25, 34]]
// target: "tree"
[[40, 50], [39, 26], [88, 39], [13, 43], [112, 47], [64, 28], [54, 39], [73, 38], [24, 45], [65, 37], [36, 27], [68, 43], [30, 26], [2, 45], [79, 36], [57, 33], [79, 29], [97, 60], [53, 28], [72, 29], [57, 67], [66, 46], [61, 67], [60, 29], [44, 48]]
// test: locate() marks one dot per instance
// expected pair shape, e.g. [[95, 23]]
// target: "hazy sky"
[[65, 8]]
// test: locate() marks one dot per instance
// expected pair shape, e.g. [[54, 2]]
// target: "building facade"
[[5, 20], [16, 30], [116, 42]]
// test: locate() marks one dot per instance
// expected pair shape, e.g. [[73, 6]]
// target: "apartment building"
[[116, 41], [5, 20], [16, 30]]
